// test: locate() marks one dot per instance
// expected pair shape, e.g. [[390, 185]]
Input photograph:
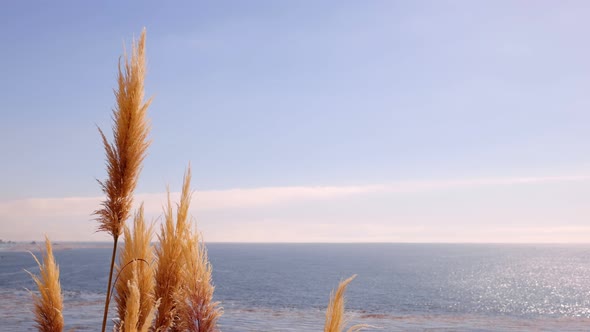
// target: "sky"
[[307, 121]]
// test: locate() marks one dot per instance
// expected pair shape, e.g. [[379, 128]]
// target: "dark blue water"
[[286, 287]]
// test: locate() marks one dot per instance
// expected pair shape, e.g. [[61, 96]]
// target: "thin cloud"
[[256, 197], [229, 214]]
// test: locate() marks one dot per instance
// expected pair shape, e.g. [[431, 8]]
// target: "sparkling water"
[[400, 287]]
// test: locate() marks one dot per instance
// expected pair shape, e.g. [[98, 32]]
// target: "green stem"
[[108, 299]]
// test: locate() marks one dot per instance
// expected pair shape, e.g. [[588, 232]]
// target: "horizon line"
[[314, 242]]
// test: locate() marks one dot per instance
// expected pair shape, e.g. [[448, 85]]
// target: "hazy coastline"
[[36, 246]]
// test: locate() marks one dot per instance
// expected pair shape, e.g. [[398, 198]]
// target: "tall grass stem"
[[108, 298]]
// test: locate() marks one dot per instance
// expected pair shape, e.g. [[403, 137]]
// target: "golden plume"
[[126, 153], [49, 304], [335, 315], [196, 310], [135, 262], [132, 321], [131, 314], [170, 259]]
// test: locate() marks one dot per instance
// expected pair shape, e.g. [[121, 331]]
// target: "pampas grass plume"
[[49, 302], [132, 320], [335, 315], [170, 259], [135, 263], [196, 309], [126, 153], [131, 314]]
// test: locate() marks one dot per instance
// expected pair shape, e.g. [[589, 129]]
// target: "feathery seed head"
[[126, 153], [131, 318], [170, 259], [335, 314], [49, 303], [135, 262], [195, 305]]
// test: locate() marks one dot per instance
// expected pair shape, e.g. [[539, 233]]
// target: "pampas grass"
[[170, 259], [176, 294], [49, 304], [130, 312], [196, 309], [132, 321], [183, 275], [335, 316], [135, 269], [126, 153]]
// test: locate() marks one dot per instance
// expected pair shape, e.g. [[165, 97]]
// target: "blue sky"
[[330, 106]]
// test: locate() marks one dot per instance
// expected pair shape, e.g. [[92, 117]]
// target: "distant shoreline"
[[36, 246], [57, 246]]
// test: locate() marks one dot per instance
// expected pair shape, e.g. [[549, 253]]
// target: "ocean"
[[399, 287]]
